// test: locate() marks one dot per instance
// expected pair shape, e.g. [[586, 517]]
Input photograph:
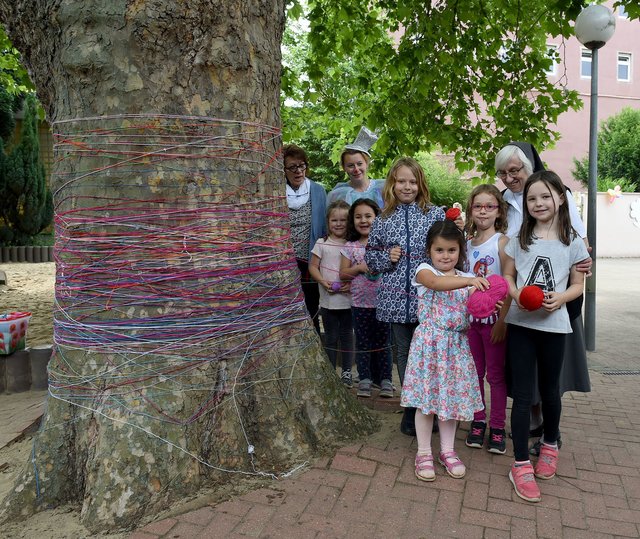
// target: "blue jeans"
[[402, 335], [338, 335]]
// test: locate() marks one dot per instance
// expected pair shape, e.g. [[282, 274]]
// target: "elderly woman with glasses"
[[307, 202], [514, 164]]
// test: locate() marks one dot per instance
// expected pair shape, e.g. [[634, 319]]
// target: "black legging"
[[528, 349], [311, 293]]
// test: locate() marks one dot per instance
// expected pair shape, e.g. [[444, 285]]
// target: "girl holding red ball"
[[545, 253]]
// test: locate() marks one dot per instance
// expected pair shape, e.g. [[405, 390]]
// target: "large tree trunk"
[[183, 352]]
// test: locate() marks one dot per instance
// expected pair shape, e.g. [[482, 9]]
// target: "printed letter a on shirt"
[[541, 274]]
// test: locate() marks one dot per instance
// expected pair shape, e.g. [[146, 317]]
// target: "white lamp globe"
[[595, 26]]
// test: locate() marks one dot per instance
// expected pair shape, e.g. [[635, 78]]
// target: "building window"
[[622, 12], [585, 64], [624, 67], [552, 54]]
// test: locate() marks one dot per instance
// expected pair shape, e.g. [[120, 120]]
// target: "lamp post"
[[594, 27]]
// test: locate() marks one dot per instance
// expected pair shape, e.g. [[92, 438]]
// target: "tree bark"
[[183, 353]]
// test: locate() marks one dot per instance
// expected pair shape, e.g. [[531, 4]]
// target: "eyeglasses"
[[488, 207], [295, 168], [512, 173]]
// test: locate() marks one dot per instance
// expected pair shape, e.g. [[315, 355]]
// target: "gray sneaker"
[[386, 389], [364, 388]]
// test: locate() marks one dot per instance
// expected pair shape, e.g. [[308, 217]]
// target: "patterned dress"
[[441, 376]]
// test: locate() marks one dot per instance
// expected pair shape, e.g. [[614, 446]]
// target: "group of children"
[[408, 271]]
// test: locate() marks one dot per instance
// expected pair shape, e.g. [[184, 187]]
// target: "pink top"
[[365, 285]]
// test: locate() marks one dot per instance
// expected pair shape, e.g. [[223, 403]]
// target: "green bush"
[[446, 186], [618, 153], [26, 203]]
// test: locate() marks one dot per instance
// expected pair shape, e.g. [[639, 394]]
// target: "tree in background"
[[618, 153], [462, 78], [26, 203]]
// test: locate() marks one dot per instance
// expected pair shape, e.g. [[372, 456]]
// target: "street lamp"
[[594, 27]]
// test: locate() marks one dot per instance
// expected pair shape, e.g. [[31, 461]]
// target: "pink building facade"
[[618, 88]]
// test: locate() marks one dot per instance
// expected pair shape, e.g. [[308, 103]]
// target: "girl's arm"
[[449, 282], [348, 270], [509, 273], [499, 330], [314, 271], [555, 300], [378, 255]]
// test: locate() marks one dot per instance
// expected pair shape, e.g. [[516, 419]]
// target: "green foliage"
[[26, 204], [465, 76], [44, 239], [445, 186], [632, 8], [618, 153], [13, 76], [7, 120]]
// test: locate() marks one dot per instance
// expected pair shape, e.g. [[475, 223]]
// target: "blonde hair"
[[501, 220], [335, 205], [423, 199]]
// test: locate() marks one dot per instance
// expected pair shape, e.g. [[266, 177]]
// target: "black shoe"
[[475, 438], [535, 447], [408, 423], [497, 441], [537, 432]]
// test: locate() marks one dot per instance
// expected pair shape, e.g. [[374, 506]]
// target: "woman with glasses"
[[355, 159], [307, 202], [514, 164]]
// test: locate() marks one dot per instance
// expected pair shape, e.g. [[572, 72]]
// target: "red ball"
[[452, 214], [531, 297]]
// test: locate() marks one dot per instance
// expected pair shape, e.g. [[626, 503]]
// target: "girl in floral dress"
[[441, 377]]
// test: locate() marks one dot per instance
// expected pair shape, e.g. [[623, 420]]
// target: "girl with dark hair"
[[373, 356], [545, 254], [441, 378]]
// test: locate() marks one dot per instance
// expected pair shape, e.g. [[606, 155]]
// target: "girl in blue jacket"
[[397, 246]]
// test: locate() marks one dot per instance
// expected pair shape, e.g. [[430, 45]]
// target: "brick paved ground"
[[369, 490]]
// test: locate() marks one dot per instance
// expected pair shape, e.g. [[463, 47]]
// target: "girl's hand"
[[459, 222], [362, 268], [345, 288], [552, 301], [516, 296], [479, 283], [395, 253], [498, 332], [327, 286]]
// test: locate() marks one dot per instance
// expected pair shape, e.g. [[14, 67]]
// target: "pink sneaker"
[[424, 468], [547, 462], [524, 482]]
